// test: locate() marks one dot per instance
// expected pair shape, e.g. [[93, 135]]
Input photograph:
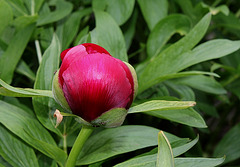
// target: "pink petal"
[[93, 48], [70, 56], [130, 78], [95, 84]]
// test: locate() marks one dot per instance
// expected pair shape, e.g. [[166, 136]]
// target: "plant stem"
[[64, 139], [77, 146], [39, 53]]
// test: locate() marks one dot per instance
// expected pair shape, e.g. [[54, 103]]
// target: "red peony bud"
[[94, 85]]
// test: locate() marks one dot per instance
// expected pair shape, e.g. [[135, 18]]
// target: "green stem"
[[77, 146]]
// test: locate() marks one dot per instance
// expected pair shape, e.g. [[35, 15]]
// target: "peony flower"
[[94, 86]]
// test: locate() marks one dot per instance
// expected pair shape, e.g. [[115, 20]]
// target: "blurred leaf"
[[185, 93], [15, 151], [63, 8], [46, 32], [68, 28], [163, 31], [6, 15], [153, 11], [44, 106], [120, 10], [160, 105], [203, 83], [198, 162], [18, 7], [108, 35], [14, 52], [165, 154], [8, 90], [119, 140], [129, 29], [82, 33], [23, 68], [229, 145], [30, 130], [23, 21], [194, 12], [164, 63]]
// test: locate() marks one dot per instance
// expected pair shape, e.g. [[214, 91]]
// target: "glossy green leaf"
[[165, 154], [150, 159], [153, 11], [63, 8], [15, 151], [161, 105], [187, 116], [6, 15], [30, 130], [120, 10], [14, 52], [229, 145], [159, 65], [119, 140], [163, 31], [68, 28], [184, 148], [203, 83], [8, 90], [198, 162], [108, 35], [44, 106]]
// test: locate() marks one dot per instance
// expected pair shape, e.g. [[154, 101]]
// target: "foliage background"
[[180, 52]]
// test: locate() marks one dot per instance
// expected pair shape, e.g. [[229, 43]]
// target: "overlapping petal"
[[96, 83]]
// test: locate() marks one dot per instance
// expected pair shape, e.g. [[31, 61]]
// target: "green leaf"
[[184, 148], [161, 105], [63, 8], [23, 68], [18, 7], [165, 154], [160, 65], [8, 90], [30, 130], [187, 116], [198, 162], [120, 10], [229, 145], [45, 107], [14, 52], [67, 29], [23, 21], [108, 35], [163, 31], [119, 140], [15, 151], [150, 159], [6, 15], [153, 11], [203, 83]]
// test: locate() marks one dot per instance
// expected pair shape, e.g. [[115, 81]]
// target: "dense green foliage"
[[187, 57]]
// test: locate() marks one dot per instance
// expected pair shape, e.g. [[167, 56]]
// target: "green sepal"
[[58, 93], [111, 118], [77, 118], [135, 81]]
